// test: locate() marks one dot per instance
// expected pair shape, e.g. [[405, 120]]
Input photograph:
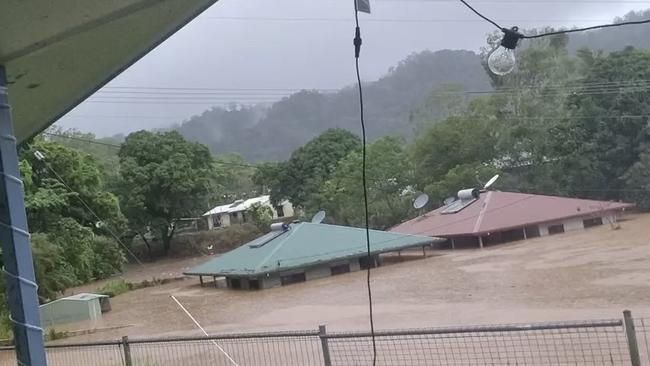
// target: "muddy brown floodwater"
[[588, 274]]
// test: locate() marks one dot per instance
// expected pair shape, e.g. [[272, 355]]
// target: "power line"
[[574, 30], [393, 20], [83, 202]]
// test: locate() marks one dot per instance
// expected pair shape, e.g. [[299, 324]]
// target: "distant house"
[[80, 307], [490, 217], [303, 251], [236, 212]]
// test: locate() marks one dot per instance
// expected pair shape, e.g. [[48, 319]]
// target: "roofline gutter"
[[312, 264], [482, 232]]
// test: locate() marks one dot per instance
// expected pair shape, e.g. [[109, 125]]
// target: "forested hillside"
[[390, 102]]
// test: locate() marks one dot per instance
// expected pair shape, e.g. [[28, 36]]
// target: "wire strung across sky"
[[545, 34], [375, 179]]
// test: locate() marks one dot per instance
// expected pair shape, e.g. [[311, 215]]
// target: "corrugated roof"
[[497, 211], [304, 244], [57, 53], [84, 296], [239, 205]]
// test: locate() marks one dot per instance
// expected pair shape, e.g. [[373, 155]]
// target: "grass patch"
[[114, 288]]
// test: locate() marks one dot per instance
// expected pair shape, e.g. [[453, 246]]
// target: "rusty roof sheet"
[[497, 211]]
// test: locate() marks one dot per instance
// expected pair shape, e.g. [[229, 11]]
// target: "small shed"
[[74, 308]]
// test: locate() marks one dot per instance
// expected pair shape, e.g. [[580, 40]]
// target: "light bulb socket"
[[511, 37]]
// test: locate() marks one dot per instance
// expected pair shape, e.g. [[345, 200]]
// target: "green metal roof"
[[57, 53], [304, 244]]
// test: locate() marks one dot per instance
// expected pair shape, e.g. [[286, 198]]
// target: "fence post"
[[322, 334], [127, 351], [631, 338]]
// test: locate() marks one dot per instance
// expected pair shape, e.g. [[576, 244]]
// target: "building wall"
[[273, 280], [70, 311], [317, 272], [312, 273], [569, 225]]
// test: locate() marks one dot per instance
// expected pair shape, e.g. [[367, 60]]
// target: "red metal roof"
[[497, 211]]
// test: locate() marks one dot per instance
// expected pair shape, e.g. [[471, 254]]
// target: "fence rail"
[[598, 342]]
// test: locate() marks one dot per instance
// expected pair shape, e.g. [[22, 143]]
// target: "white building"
[[236, 212]]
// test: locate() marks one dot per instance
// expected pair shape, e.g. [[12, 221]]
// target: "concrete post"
[[525, 236], [480, 242], [322, 334], [126, 348], [630, 332], [453, 244], [22, 299]]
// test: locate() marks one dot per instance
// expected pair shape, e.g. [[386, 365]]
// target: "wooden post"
[[635, 358], [126, 348], [480, 242], [525, 236], [201, 280], [214, 278], [453, 244], [322, 334]]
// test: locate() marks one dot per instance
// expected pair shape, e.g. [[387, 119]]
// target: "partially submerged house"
[[490, 217], [236, 212], [303, 251]]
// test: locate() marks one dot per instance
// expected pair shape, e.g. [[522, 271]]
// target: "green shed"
[[74, 308]]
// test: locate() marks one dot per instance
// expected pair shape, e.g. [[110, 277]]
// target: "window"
[[532, 231], [280, 210], [556, 229], [293, 278], [340, 269], [592, 222]]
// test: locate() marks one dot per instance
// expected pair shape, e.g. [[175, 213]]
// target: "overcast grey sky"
[[297, 44]]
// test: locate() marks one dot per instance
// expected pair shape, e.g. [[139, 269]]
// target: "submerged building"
[[303, 251], [480, 218]]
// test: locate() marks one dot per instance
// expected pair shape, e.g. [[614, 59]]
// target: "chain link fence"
[[598, 342], [642, 327]]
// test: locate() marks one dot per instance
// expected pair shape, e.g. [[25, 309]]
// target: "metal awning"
[[57, 53]]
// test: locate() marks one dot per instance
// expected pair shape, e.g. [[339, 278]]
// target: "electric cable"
[[574, 30], [83, 202], [357, 51]]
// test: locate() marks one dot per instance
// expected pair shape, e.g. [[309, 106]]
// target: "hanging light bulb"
[[502, 59]]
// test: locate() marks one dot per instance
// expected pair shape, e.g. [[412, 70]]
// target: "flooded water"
[[580, 275]]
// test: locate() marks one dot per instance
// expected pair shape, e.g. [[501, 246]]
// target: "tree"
[[308, 167], [389, 177], [261, 216], [601, 144], [163, 178]]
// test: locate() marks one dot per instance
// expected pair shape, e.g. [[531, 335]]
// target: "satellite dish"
[[421, 201], [491, 182], [318, 217], [99, 224], [449, 200]]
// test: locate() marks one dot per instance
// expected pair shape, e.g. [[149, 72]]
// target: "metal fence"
[[599, 342]]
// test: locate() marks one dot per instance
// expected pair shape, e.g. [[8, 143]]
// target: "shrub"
[[114, 288]]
